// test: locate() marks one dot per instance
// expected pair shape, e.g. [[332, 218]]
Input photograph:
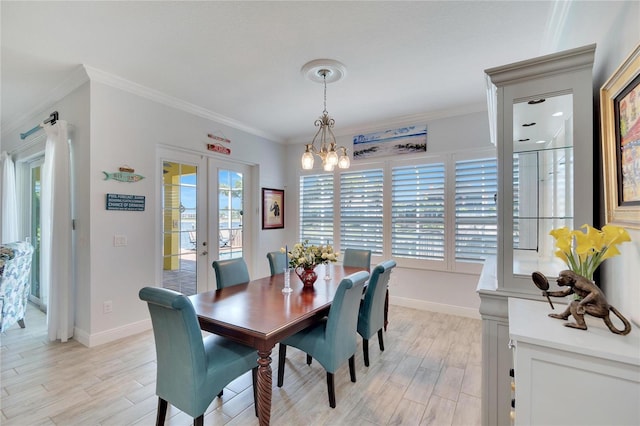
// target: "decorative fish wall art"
[[123, 176]]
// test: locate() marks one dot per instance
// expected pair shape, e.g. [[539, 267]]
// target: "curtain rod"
[[53, 117]]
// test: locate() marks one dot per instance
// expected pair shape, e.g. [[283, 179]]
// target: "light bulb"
[[307, 161], [344, 162], [332, 157], [328, 167]]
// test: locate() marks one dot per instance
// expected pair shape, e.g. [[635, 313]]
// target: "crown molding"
[[162, 98], [75, 79], [580, 58], [401, 121]]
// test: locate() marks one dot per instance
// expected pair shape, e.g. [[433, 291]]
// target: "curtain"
[[55, 215], [9, 200]]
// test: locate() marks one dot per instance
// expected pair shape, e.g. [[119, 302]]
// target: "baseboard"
[[425, 305], [91, 340]]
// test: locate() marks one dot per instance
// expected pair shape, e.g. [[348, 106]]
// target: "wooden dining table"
[[260, 315]]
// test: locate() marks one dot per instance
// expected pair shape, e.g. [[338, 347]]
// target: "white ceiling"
[[242, 60]]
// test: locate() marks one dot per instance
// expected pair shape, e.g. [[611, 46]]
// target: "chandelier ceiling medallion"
[[331, 154]]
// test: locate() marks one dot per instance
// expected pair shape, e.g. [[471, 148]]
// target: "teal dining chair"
[[231, 272], [358, 258], [191, 370], [277, 262], [371, 315], [331, 341]]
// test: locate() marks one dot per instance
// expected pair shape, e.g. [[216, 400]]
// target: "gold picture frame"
[[620, 120]]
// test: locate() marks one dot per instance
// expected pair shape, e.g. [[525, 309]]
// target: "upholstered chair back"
[[15, 269], [231, 272], [342, 321], [191, 370], [277, 262], [358, 258], [371, 316]]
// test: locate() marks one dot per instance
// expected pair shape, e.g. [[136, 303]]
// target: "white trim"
[[401, 121], [107, 336], [171, 101], [425, 305]]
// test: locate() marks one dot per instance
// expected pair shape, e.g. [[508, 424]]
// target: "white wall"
[[126, 129], [619, 275], [73, 108], [418, 288]]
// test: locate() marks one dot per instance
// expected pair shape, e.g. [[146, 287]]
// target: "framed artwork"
[[272, 208], [404, 140], [620, 111]]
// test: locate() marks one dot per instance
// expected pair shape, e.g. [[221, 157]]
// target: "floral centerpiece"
[[304, 257], [584, 251]]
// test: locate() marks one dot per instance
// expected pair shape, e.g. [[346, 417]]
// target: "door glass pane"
[[35, 189], [179, 223], [230, 205]]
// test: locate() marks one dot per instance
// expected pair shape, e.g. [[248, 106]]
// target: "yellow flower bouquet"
[[584, 251]]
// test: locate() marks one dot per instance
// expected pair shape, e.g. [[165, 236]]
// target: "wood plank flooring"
[[429, 374]]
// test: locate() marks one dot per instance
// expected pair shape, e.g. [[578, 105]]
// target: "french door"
[[203, 218], [34, 235]]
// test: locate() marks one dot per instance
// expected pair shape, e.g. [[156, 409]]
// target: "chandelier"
[[326, 148]]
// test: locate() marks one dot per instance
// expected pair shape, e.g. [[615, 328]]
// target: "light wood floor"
[[429, 374]]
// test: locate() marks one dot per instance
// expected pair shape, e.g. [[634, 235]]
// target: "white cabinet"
[[565, 376], [545, 180]]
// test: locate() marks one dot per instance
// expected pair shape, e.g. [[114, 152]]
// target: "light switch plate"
[[119, 240]]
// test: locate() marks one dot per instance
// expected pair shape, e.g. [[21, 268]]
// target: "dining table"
[[259, 314]]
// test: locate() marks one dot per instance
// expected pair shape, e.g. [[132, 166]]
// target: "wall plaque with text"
[[130, 203]]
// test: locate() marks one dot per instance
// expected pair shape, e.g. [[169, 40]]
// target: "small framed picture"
[[272, 208], [620, 109]]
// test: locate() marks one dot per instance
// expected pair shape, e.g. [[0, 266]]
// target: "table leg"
[[264, 387]]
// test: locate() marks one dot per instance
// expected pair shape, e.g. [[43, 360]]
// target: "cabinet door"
[[555, 387], [545, 162]]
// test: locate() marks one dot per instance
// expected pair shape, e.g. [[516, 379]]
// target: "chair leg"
[[309, 359], [365, 351], [21, 322], [162, 412], [254, 378], [380, 340], [386, 310], [282, 353], [332, 390], [199, 421], [352, 368]]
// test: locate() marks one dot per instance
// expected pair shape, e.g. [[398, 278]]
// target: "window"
[[418, 211], [316, 208], [361, 215], [437, 212], [475, 209]]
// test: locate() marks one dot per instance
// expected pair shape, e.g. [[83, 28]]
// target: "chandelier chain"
[[324, 78]]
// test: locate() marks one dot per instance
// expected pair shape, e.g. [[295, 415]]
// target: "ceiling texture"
[[241, 61]]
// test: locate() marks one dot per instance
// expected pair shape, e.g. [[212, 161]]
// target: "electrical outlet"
[[107, 307]]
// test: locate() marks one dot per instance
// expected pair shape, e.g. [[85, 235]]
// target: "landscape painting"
[[404, 140]]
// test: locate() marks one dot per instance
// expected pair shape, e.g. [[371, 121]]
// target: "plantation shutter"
[[417, 218], [316, 208], [476, 218], [361, 210]]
